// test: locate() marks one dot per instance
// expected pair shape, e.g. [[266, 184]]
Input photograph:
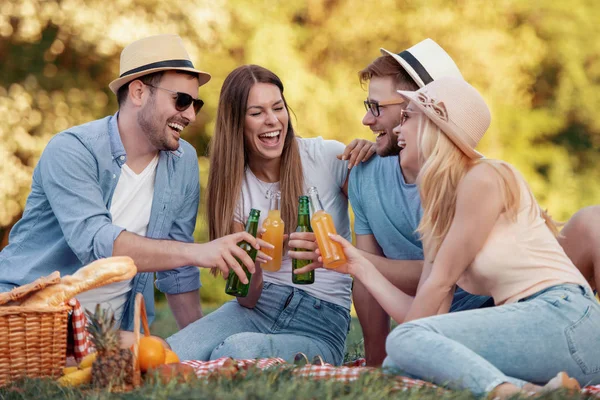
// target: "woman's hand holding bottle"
[[355, 264]]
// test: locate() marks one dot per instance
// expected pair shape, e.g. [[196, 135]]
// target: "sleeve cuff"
[[105, 240]]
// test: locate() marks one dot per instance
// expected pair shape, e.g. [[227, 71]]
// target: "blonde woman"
[[483, 230], [254, 151]]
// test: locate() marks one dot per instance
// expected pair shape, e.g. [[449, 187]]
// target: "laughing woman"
[[483, 230], [254, 151]]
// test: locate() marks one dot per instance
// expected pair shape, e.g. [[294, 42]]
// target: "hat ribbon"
[[437, 107], [417, 66], [160, 64]]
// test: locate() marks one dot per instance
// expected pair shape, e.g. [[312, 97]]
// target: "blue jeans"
[[554, 330], [464, 301], [286, 320]]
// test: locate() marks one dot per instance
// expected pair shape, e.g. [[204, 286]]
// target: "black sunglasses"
[[182, 100]]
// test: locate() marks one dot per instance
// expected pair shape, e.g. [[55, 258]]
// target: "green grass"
[[268, 384], [256, 385]]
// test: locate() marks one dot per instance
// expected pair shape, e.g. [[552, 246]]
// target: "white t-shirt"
[[323, 170], [130, 208]]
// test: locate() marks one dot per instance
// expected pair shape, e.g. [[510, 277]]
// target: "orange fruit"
[[171, 357], [151, 353]]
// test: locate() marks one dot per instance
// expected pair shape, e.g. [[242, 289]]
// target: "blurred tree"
[[534, 62]]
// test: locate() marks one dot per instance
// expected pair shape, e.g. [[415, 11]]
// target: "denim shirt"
[[67, 224]]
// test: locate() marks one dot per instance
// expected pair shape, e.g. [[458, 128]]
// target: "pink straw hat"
[[153, 54], [456, 108]]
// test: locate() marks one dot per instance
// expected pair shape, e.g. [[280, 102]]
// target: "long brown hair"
[[229, 159]]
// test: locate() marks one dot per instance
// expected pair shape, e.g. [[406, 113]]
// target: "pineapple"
[[113, 366]]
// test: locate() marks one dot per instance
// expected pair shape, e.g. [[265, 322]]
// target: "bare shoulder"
[[585, 221], [480, 193], [482, 178], [591, 212]]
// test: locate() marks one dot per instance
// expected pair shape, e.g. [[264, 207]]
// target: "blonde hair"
[[228, 157], [444, 165]]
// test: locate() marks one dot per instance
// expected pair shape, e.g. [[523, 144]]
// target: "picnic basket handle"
[[139, 316]]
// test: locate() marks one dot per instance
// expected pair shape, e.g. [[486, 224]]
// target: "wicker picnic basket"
[[33, 342], [34, 318]]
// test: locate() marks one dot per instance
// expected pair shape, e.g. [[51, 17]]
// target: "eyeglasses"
[[404, 115], [373, 106], [182, 100]]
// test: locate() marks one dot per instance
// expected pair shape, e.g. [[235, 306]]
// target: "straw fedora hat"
[[152, 54], [456, 108], [425, 62]]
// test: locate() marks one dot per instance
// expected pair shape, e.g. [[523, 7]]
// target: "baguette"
[[98, 273]]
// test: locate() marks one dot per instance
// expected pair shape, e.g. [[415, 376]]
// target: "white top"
[[130, 208], [323, 170]]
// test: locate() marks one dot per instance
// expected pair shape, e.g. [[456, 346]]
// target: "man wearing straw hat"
[[387, 209], [126, 185]]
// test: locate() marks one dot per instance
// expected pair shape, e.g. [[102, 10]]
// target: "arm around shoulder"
[[338, 168]]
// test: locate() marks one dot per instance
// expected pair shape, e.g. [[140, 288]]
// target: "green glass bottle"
[[303, 226], [234, 286]]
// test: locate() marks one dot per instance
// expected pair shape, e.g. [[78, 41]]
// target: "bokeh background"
[[536, 62]]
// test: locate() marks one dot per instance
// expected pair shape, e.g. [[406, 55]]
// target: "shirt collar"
[[116, 145]]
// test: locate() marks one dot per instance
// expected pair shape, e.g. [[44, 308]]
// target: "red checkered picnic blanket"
[[592, 391], [228, 366]]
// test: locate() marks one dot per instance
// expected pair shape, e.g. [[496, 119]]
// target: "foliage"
[[533, 61]]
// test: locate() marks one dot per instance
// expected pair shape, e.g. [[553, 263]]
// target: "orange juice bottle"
[[322, 225], [274, 234]]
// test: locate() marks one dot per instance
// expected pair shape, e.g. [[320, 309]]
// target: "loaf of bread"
[[96, 274]]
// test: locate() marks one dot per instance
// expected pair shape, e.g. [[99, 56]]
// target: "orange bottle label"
[[274, 234], [332, 253]]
